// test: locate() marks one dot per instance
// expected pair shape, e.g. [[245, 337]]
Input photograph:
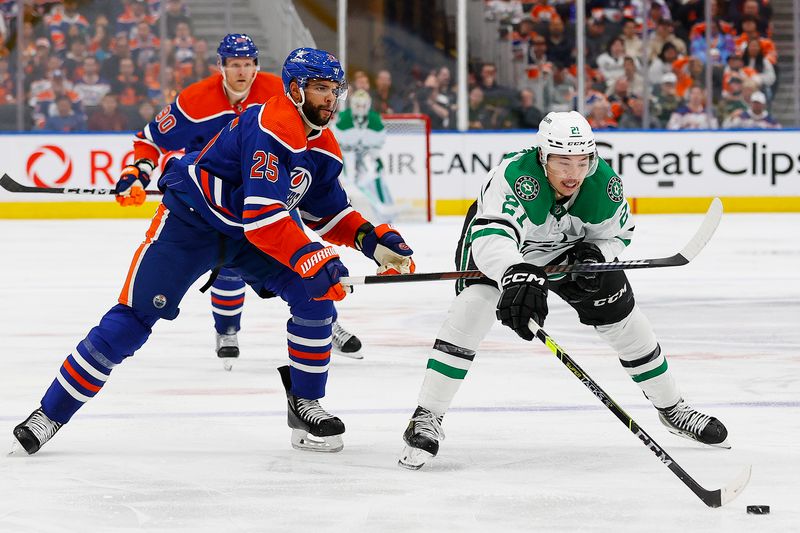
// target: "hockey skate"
[[684, 421], [228, 348], [422, 438], [313, 428], [345, 343], [31, 434]]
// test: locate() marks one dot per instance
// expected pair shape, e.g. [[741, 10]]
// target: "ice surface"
[[175, 443]]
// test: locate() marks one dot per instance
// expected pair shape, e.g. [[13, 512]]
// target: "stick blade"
[[705, 232], [9, 184], [729, 492]]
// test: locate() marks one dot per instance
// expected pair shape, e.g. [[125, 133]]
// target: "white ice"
[[175, 443]]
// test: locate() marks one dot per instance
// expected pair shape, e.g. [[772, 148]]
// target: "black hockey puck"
[[758, 509]]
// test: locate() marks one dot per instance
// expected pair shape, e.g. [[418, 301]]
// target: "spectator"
[[755, 117], [65, 119], [600, 117], [121, 50], [667, 100], [146, 112], [175, 15], [764, 71], [761, 12], [91, 87], [691, 72], [108, 117], [183, 44], [8, 86], [560, 95], [520, 40], [663, 63], [434, 104], [612, 62], [631, 72], [720, 41], [496, 97], [44, 103], [128, 86], [144, 45], [480, 118], [732, 100], [663, 35], [135, 12], [750, 33], [100, 43], [736, 69], [692, 115], [540, 68], [360, 81], [559, 45], [73, 61], [528, 116], [541, 12], [597, 37], [38, 67], [630, 39], [64, 21], [384, 98], [633, 116]]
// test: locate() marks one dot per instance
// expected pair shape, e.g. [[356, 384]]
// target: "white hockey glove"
[[386, 247]]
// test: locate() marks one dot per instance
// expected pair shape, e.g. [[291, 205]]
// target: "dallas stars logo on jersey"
[[526, 188], [614, 189]]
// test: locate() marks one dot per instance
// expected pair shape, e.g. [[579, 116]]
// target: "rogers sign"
[[70, 160]]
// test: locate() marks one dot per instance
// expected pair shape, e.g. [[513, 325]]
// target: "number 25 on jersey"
[[265, 165]]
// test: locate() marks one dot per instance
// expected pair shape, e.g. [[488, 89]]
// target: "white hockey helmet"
[[566, 133], [360, 103]]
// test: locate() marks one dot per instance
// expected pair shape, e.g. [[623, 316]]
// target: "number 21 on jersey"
[[265, 165]]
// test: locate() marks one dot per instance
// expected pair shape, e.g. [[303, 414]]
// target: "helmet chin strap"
[[299, 106], [238, 95]]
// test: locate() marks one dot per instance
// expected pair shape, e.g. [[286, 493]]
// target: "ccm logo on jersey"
[[613, 298], [309, 263], [522, 277]]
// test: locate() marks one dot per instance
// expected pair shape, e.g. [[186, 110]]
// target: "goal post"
[[406, 158]]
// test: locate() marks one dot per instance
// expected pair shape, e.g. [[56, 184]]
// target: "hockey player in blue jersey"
[[198, 113], [229, 204]]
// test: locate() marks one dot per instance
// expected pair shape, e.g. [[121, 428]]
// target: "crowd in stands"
[[620, 69], [96, 65]]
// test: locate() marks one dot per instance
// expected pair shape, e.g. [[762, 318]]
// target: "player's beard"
[[314, 114]]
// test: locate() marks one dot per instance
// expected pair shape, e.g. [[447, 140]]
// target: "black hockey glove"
[[523, 298], [582, 286]]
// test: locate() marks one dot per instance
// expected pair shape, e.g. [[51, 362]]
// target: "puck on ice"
[[758, 509]]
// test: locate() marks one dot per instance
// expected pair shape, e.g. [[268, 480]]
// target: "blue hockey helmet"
[[304, 64], [237, 45]]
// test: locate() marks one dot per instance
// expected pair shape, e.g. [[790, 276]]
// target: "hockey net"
[[406, 164]]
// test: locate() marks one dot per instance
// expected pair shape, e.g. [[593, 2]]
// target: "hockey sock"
[[640, 356], [227, 300], [121, 332], [309, 342], [469, 319]]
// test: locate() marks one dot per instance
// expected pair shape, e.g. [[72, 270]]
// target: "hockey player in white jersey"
[[361, 136], [552, 204]]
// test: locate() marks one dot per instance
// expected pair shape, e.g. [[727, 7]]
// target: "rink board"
[[663, 172]]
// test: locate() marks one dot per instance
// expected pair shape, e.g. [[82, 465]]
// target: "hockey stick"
[[12, 186], [689, 252], [712, 498]]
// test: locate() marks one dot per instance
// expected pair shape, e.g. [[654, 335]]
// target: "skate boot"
[[313, 428], [345, 343], [682, 420], [422, 438], [227, 348], [34, 432]]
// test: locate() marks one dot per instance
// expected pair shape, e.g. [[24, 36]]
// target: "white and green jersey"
[[518, 218], [360, 135]]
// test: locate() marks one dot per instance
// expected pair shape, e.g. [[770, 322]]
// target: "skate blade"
[[227, 364], [303, 440], [17, 450], [351, 355], [413, 458], [689, 436]]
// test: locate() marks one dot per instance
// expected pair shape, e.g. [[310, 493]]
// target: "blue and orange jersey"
[[198, 113], [260, 167]]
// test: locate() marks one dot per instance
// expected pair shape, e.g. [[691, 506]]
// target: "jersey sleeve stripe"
[[226, 217], [262, 200], [335, 220], [490, 231], [248, 214], [499, 222], [250, 226]]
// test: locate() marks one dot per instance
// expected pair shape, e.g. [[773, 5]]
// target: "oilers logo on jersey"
[[298, 185]]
